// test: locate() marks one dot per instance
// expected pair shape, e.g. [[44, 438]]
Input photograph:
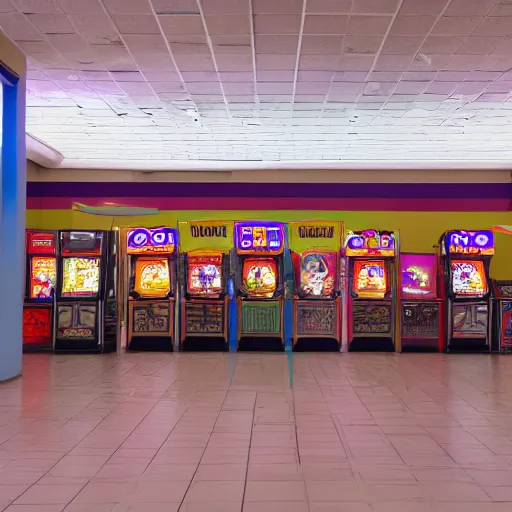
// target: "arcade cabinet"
[[152, 288], [421, 304], [87, 285], [316, 248], [39, 306], [372, 289], [466, 258], [205, 248], [502, 337], [260, 285]]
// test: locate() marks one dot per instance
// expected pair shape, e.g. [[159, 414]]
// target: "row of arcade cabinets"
[[70, 297], [209, 294]]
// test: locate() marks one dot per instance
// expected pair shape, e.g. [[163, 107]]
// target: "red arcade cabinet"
[[39, 307], [421, 304]]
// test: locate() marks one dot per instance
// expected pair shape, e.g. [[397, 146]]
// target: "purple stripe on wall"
[[279, 203], [276, 190]]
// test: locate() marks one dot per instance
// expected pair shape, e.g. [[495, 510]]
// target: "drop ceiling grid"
[[268, 79]]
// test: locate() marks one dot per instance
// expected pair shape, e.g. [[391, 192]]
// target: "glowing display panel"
[[418, 276], [370, 243], [468, 278], [156, 240], [81, 277], [259, 277], [470, 242], [370, 279], [152, 277], [263, 238], [42, 277], [205, 274], [318, 273]]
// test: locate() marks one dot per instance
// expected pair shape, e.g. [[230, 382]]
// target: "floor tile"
[[202, 432]]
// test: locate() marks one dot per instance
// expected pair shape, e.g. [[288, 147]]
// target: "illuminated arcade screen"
[[370, 279], [42, 277], [259, 277], [468, 278], [262, 238], [81, 277], [418, 276], [152, 277], [318, 274], [205, 274]]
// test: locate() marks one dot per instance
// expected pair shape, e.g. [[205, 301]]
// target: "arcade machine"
[[260, 285], [421, 310], [205, 248], [316, 248], [371, 259], [502, 338], [152, 288], [39, 306], [87, 286], [466, 257]]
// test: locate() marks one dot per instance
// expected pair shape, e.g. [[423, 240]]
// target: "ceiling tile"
[[128, 6], [80, 6], [18, 28], [463, 63], [362, 44], [318, 62], [277, 24], [238, 88], [379, 88], [324, 25], [393, 62], [275, 76], [420, 7], [275, 87], [225, 6], [412, 25], [329, 6], [442, 44], [375, 6], [96, 29], [173, 25], [227, 62], [136, 23], [228, 25], [276, 44], [479, 45], [280, 7], [312, 88], [270, 61], [369, 25], [442, 87], [321, 45], [51, 23], [350, 62], [495, 26], [411, 87], [471, 7], [38, 7], [188, 62], [457, 25], [401, 45]]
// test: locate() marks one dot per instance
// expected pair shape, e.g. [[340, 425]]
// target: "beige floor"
[[218, 432]]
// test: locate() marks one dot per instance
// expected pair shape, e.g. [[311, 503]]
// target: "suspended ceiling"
[[160, 83]]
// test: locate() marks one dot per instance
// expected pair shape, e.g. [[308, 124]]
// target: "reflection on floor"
[[225, 433]]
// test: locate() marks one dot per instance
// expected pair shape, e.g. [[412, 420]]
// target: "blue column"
[[12, 226]]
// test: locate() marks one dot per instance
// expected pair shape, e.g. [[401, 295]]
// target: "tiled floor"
[[233, 432]]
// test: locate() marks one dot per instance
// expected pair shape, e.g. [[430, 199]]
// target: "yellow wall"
[[419, 231]]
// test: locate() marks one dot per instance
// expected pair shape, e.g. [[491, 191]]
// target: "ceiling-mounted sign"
[[472, 243], [155, 240], [370, 242], [204, 235], [315, 235]]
